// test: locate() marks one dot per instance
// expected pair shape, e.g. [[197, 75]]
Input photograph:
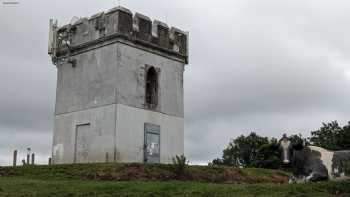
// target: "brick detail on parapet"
[[119, 22]]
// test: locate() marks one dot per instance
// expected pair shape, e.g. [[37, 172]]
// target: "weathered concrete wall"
[[132, 63], [130, 134], [115, 74], [100, 142], [91, 83]]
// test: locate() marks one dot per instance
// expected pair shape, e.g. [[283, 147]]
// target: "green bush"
[[180, 163]]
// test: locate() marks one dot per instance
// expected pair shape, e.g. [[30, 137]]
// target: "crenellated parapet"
[[118, 24]]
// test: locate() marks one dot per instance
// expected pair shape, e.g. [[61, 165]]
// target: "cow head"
[[288, 146]]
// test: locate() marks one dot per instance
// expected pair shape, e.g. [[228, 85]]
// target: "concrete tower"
[[119, 89]]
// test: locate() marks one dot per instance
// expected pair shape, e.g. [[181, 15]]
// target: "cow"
[[312, 163]]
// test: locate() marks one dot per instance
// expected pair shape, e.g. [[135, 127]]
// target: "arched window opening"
[[152, 88]]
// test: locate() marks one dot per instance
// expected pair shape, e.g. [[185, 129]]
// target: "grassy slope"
[[137, 172], [68, 181]]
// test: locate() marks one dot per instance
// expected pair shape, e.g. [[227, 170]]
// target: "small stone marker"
[[28, 155], [107, 158], [15, 158], [33, 158]]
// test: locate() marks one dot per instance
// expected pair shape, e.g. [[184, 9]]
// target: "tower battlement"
[[118, 24]]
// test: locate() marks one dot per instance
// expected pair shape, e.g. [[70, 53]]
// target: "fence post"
[[28, 159], [107, 157], [33, 158], [15, 158], [28, 155]]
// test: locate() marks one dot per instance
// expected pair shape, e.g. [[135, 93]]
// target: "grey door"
[[82, 144], [152, 143]]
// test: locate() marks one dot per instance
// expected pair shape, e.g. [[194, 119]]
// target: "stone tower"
[[119, 89]]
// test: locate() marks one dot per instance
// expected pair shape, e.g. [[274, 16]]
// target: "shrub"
[[180, 163]]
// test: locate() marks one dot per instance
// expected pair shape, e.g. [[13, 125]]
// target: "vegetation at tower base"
[[181, 163], [91, 180]]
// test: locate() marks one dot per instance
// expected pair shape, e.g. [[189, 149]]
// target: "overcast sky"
[[269, 66]]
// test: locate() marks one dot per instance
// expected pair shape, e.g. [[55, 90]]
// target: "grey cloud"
[[271, 60]]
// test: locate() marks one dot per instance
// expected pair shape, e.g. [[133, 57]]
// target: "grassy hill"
[[156, 180]]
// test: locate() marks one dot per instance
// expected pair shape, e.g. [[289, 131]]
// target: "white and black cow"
[[311, 163]]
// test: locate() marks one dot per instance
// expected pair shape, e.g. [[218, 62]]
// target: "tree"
[[344, 139], [268, 155], [298, 141], [331, 136], [243, 151], [217, 162]]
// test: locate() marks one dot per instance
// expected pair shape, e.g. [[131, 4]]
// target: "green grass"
[[70, 180], [136, 172], [19, 186]]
